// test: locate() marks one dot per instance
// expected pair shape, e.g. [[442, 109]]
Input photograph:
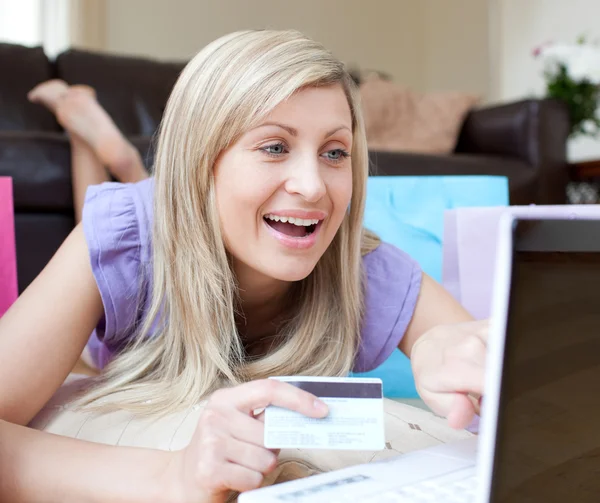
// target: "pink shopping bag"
[[8, 256], [469, 249]]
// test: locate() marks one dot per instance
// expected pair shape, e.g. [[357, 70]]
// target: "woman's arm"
[[447, 350], [41, 338], [435, 306], [43, 334], [38, 466]]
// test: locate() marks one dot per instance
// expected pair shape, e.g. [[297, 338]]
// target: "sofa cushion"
[[398, 119], [39, 164], [22, 69], [38, 236], [134, 91], [146, 146]]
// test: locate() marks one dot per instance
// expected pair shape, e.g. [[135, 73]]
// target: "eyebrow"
[[294, 132]]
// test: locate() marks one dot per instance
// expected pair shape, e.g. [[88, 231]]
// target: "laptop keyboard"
[[457, 487]]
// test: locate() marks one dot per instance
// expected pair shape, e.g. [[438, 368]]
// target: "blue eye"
[[275, 149], [336, 155]]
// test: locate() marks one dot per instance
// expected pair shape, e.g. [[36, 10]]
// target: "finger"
[[456, 377], [255, 458], [482, 329], [261, 417], [258, 394], [471, 349], [462, 412], [245, 428], [239, 478]]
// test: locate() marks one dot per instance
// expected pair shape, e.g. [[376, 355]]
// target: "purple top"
[[117, 225]]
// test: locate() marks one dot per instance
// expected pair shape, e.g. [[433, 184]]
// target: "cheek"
[[229, 197], [241, 192], [244, 197], [340, 190]]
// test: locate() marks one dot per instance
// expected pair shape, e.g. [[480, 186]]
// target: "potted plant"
[[572, 74]]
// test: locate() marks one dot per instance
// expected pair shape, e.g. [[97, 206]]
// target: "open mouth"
[[292, 227]]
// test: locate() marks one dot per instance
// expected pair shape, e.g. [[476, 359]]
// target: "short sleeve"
[[116, 227], [393, 283]]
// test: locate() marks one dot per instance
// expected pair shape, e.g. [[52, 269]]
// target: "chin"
[[292, 272]]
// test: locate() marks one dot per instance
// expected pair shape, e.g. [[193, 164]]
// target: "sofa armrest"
[[527, 130], [533, 131]]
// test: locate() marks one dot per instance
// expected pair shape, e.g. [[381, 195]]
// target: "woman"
[[244, 257]]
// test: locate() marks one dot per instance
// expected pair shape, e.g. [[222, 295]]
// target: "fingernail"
[[320, 406]]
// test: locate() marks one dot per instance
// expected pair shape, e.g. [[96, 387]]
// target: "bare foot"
[[81, 88], [80, 114], [49, 93]]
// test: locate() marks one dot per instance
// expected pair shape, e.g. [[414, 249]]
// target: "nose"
[[306, 180]]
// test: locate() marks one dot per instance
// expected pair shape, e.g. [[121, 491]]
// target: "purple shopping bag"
[[8, 256], [469, 249]]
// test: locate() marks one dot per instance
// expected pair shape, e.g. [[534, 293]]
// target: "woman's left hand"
[[448, 363]]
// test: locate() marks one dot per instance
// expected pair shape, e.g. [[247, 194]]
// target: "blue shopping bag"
[[408, 212]]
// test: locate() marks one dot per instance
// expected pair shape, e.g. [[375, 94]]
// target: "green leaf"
[[582, 98]]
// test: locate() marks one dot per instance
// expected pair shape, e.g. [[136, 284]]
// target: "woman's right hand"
[[227, 450]]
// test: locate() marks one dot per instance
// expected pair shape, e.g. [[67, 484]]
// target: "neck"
[[263, 304]]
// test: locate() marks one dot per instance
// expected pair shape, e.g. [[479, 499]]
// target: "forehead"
[[325, 105]]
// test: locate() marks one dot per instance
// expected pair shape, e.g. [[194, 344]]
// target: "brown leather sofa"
[[525, 141]]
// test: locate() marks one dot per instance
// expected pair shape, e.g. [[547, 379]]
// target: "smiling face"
[[284, 187]]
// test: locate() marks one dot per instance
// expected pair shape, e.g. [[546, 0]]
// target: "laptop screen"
[[548, 444]]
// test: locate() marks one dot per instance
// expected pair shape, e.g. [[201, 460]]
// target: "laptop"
[[540, 427]]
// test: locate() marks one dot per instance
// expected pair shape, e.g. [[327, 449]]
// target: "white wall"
[[457, 48], [385, 35], [429, 45], [521, 26], [87, 27], [20, 22], [37, 23]]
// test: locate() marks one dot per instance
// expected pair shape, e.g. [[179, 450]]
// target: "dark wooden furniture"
[[585, 170], [585, 182]]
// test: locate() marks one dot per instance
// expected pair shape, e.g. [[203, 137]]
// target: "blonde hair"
[[188, 344]]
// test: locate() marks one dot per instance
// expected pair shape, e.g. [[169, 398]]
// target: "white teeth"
[[296, 221]]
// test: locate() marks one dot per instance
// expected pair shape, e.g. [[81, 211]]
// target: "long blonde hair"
[[188, 344]]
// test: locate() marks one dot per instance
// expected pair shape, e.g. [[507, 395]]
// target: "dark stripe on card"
[[340, 389]]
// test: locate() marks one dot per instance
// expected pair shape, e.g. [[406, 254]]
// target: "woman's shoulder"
[[393, 283], [117, 223], [387, 258], [113, 211], [120, 199]]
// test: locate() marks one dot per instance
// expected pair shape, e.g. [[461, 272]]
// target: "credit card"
[[354, 422]]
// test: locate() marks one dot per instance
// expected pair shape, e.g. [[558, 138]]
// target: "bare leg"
[[80, 114], [78, 111], [86, 170]]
